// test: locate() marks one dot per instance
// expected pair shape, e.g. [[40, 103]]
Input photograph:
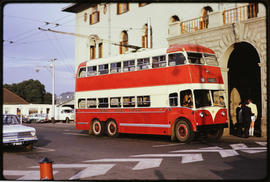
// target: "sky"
[[26, 48]]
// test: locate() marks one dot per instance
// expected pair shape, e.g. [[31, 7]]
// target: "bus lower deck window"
[[103, 102], [129, 101], [81, 103], [115, 102], [173, 99], [186, 98], [143, 101], [91, 103]]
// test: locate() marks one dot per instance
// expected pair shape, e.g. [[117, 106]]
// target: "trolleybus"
[[176, 91]]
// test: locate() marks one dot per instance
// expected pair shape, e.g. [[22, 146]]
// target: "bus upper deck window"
[[91, 70], [82, 72], [103, 69], [195, 58], [143, 63], [129, 65], [210, 60], [116, 67], [176, 59], [159, 61]]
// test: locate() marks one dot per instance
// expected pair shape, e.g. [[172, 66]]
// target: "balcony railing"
[[239, 14], [215, 19], [194, 24]]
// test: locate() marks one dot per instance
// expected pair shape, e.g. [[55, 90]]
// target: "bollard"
[[46, 171]]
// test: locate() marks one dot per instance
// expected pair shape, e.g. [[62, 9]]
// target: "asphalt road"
[[78, 156]]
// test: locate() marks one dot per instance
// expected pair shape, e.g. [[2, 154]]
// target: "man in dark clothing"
[[246, 117], [239, 119]]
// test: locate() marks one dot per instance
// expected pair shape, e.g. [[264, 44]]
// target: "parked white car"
[[38, 118], [15, 133]]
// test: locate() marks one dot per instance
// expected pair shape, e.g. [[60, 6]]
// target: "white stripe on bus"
[[146, 125]]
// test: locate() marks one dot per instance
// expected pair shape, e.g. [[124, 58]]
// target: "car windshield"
[[10, 120]]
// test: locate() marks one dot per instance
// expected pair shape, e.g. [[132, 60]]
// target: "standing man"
[[254, 112], [246, 116]]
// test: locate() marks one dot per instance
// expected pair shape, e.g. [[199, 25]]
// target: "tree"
[[31, 90]]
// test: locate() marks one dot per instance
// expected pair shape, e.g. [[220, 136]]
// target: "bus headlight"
[[223, 113], [202, 79], [201, 114]]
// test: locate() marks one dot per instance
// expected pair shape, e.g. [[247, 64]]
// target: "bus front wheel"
[[97, 128], [215, 134], [183, 131], [112, 129]]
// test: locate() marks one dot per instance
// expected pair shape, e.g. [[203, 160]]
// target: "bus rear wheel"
[[112, 129], [183, 131], [97, 128]]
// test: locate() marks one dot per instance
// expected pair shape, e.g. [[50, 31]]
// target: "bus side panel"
[[82, 120], [145, 122]]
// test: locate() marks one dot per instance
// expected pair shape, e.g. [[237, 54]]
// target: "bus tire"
[[97, 128], [67, 120], [183, 131], [112, 128], [215, 133]]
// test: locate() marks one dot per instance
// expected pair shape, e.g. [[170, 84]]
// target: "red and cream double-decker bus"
[[176, 91]]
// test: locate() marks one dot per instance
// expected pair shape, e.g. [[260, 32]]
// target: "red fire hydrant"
[[46, 171]]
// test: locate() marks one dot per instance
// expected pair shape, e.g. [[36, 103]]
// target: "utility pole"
[[53, 90]]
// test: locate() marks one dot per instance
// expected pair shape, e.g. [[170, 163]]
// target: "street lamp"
[[53, 86]]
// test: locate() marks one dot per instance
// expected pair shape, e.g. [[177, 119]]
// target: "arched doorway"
[[244, 80]]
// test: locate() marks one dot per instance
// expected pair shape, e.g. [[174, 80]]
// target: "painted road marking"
[[42, 149], [262, 143], [89, 171], [221, 151], [186, 158], [27, 175], [143, 163], [251, 150]]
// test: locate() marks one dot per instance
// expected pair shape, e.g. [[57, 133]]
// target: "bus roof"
[[148, 53], [189, 47]]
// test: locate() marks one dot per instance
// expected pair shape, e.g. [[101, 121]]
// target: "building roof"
[[11, 98], [77, 7]]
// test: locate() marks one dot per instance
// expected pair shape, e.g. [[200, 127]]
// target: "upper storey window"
[[94, 16], [122, 8]]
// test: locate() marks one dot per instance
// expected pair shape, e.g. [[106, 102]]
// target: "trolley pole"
[[53, 90]]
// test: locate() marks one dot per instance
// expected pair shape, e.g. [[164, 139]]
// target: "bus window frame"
[[92, 73], [81, 71]]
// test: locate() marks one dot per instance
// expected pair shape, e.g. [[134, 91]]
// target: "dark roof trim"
[[77, 7]]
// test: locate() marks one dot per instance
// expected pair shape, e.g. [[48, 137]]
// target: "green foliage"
[[31, 90]]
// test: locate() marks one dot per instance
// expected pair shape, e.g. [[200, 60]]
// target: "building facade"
[[235, 31]]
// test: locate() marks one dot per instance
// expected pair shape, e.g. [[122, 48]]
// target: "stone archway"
[[244, 76]]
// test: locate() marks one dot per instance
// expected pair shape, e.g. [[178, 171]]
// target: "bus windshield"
[[203, 98], [199, 58]]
